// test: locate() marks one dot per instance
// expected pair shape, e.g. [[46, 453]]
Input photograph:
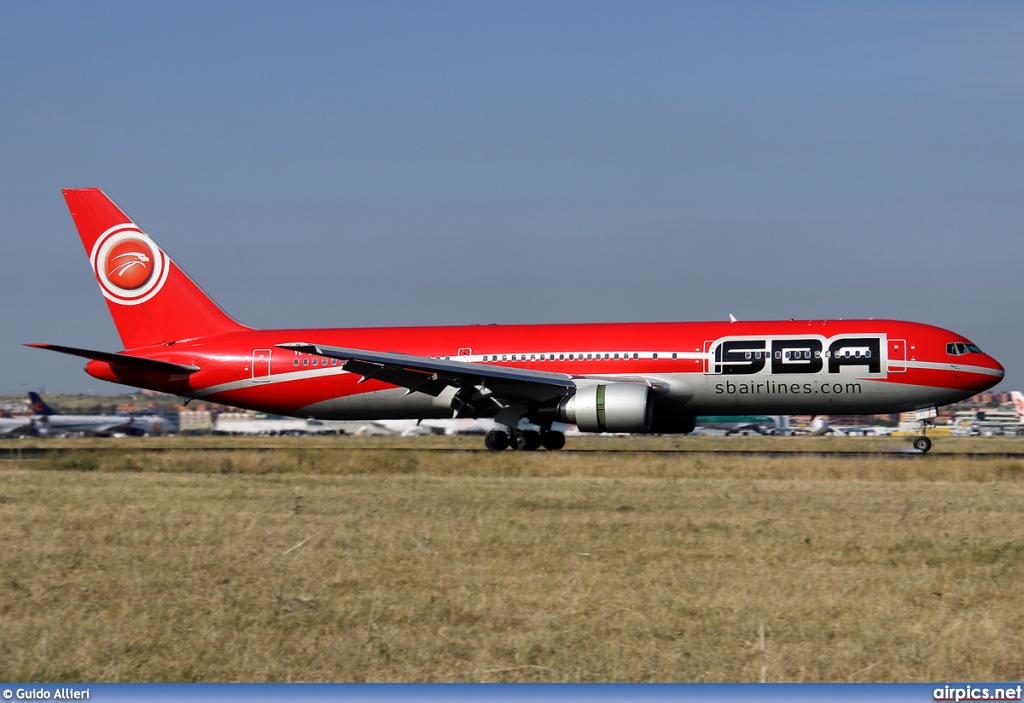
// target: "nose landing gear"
[[922, 443]]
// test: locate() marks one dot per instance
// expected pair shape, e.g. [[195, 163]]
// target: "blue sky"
[[401, 163]]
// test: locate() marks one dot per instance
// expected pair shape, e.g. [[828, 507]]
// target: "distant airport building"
[[195, 421], [11, 408], [989, 398]]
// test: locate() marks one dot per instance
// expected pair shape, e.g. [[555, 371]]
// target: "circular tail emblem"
[[130, 268]]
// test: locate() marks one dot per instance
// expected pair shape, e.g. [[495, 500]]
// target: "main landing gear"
[[527, 440]]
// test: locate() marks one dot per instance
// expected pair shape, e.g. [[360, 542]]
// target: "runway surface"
[[29, 453]]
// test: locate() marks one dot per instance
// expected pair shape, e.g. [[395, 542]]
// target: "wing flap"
[[413, 380]]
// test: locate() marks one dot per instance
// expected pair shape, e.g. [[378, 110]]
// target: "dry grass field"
[[312, 562]]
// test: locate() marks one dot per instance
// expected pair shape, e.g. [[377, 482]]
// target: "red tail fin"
[[152, 300]]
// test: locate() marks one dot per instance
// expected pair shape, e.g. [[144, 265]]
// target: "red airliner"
[[623, 377]]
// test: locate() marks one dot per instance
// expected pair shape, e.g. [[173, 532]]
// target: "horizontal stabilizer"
[[133, 362]]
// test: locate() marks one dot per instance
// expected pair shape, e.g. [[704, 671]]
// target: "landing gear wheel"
[[496, 440], [517, 440], [922, 444], [533, 440], [552, 440]]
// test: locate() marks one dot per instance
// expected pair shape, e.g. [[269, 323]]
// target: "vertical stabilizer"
[[38, 405], [151, 300]]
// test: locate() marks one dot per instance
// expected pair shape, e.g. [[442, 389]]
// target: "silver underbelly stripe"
[[263, 381]]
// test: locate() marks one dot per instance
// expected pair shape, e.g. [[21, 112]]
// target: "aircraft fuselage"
[[791, 367]]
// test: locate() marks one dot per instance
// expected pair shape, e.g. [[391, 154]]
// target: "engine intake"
[[611, 407]]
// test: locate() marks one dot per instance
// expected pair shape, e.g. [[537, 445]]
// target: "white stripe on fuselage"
[[578, 357], [945, 366], [474, 358]]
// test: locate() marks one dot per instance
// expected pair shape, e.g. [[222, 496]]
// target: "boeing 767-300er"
[[624, 377]]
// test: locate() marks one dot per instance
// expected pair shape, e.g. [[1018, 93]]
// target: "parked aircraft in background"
[[412, 428], [151, 425], [767, 425], [738, 424], [16, 426], [818, 427], [242, 425], [226, 424], [626, 377], [49, 421], [861, 430], [869, 431]]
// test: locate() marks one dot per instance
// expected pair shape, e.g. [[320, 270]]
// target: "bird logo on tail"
[[130, 268]]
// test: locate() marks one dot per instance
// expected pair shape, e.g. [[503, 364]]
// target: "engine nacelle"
[[609, 407]]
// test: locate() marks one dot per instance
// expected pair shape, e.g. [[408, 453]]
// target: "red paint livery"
[[632, 377]]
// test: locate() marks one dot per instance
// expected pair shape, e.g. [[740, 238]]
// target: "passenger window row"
[[317, 361], [588, 356], [583, 356], [806, 354]]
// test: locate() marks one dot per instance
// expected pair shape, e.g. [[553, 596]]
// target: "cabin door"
[[261, 365], [710, 367], [897, 356]]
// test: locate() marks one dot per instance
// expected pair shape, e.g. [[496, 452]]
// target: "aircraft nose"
[[993, 374]]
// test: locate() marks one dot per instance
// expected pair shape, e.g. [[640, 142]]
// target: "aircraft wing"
[[437, 377], [16, 425]]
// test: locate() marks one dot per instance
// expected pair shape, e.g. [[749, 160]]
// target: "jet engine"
[[611, 407]]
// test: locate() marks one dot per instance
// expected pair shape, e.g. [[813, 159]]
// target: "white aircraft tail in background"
[[1018, 404], [818, 427]]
